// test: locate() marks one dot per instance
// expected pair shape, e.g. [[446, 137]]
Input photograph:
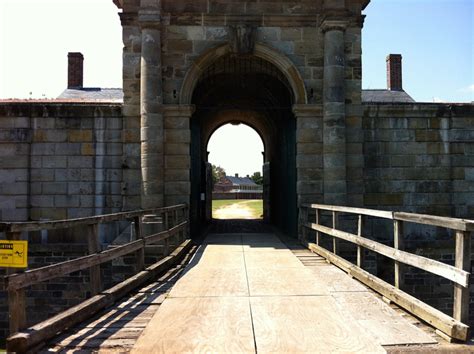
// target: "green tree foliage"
[[217, 173], [257, 178]]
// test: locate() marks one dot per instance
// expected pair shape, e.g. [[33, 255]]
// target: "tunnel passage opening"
[[252, 91], [236, 154]]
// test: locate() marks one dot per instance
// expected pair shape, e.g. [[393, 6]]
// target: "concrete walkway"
[[250, 293]]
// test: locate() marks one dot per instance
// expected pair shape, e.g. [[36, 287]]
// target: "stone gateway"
[[292, 71]]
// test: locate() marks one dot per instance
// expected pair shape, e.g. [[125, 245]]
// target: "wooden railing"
[[453, 327], [175, 224]]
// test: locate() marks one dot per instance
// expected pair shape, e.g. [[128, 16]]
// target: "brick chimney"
[[394, 72], [75, 70]]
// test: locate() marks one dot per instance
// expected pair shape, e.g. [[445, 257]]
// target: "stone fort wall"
[[70, 160]]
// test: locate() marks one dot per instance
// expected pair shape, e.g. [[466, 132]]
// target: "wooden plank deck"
[[262, 298], [254, 293]]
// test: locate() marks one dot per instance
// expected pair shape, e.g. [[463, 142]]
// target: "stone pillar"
[[177, 153], [309, 149], [334, 129], [152, 129]]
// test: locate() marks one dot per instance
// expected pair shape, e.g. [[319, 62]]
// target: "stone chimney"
[[75, 70], [394, 72], [236, 175]]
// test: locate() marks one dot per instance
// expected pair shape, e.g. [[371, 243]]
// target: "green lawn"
[[217, 204], [255, 205]]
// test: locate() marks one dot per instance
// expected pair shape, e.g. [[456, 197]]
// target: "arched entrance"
[[260, 91], [237, 192]]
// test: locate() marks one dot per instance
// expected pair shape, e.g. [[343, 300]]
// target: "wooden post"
[[463, 261], [139, 236], [304, 220], [334, 226], [166, 250], [318, 220], [16, 298], [176, 222], [398, 245], [93, 245], [360, 249]]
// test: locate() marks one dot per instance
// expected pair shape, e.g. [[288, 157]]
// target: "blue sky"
[[435, 38]]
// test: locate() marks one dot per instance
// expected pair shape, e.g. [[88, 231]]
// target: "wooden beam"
[[441, 221], [304, 219], [64, 224], [30, 277], [454, 274], [137, 224], [398, 244], [43, 331], [93, 245], [360, 250], [463, 262], [334, 226], [163, 235], [434, 317], [343, 209], [22, 341], [16, 297], [166, 250], [318, 221]]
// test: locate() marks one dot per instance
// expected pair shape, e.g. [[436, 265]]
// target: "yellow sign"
[[13, 254]]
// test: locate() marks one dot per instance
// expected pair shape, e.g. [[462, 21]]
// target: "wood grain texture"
[[217, 259], [377, 318], [271, 259], [199, 282], [204, 325], [336, 280], [434, 317], [284, 281], [308, 324]]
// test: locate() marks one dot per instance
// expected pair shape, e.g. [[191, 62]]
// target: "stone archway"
[[226, 87], [262, 51]]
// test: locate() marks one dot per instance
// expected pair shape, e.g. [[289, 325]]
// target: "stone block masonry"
[[419, 158], [60, 160]]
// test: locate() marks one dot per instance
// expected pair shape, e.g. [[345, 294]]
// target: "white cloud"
[[439, 100], [469, 89]]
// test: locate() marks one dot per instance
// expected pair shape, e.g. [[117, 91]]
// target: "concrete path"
[[250, 293]]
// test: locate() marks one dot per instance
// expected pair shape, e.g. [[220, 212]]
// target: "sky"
[[226, 150], [435, 38]]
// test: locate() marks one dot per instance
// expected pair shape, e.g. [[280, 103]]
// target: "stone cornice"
[[334, 25], [178, 110], [307, 110], [149, 18], [128, 18]]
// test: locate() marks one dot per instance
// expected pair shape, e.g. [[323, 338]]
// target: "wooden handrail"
[[441, 221], [459, 274], [15, 284], [99, 219], [444, 270], [369, 212]]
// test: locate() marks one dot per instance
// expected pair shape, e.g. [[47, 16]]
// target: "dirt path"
[[235, 211]]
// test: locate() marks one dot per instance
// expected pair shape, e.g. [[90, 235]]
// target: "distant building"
[[237, 188]]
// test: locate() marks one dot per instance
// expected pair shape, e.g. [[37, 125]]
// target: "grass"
[[256, 206], [217, 204], [253, 204]]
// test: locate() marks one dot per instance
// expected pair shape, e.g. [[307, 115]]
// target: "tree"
[[257, 178], [217, 173]]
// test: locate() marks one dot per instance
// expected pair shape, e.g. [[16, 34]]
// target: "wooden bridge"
[[245, 292]]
